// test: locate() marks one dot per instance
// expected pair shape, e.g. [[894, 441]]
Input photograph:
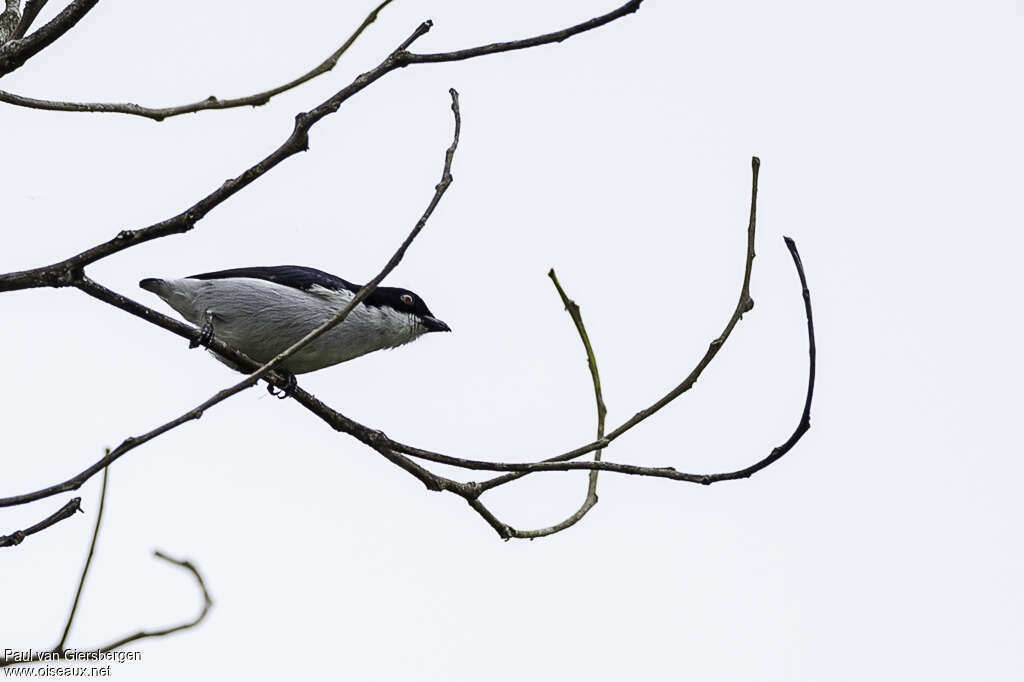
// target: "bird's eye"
[[406, 299]]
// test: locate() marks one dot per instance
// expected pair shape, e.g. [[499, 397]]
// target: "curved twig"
[[803, 425], [744, 304], [203, 611], [590, 500], [211, 102], [556, 464], [58, 654], [59, 651]]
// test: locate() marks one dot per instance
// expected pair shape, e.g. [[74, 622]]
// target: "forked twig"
[[211, 102], [590, 500], [32, 10], [70, 271], [16, 52]]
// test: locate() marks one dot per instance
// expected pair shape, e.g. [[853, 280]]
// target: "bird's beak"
[[435, 325]]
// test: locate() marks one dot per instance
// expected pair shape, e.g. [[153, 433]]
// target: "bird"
[[263, 310]]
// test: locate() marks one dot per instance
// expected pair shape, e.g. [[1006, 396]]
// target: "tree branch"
[[32, 10], [9, 20], [555, 464], [545, 39], [211, 102], [744, 304], [205, 609], [16, 52], [65, 512], [70, 271]]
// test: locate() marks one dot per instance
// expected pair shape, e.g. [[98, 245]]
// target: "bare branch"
[[668, 472], [88, 562], [546, 39], [65, 512], [70, 271], [591, 497], [16, 52], [141, 634], [211, 102], [744, 304], [205, 609]]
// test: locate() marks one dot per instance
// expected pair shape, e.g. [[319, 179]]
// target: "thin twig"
[[205, 609], [211, 102], [16, 52], [88, 562], [69, 272], [802, 427], [743, 304], [591, 497], [65, 512], [141, 634], [545, 39]]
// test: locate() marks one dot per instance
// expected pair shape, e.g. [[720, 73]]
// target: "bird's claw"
[[287, 391], [205, 335]]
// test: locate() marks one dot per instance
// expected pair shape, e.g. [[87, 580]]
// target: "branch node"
[[69, 276]]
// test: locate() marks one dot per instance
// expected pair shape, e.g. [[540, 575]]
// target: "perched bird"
[[263, 310]]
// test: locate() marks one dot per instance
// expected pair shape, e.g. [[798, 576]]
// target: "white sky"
[[885, 546]]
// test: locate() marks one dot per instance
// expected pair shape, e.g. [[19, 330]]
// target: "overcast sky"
[[885, 546]]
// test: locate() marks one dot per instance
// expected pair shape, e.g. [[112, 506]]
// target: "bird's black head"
[[405, 301]]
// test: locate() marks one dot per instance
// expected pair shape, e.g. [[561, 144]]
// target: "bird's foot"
[[205, 335], [289, 387]]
